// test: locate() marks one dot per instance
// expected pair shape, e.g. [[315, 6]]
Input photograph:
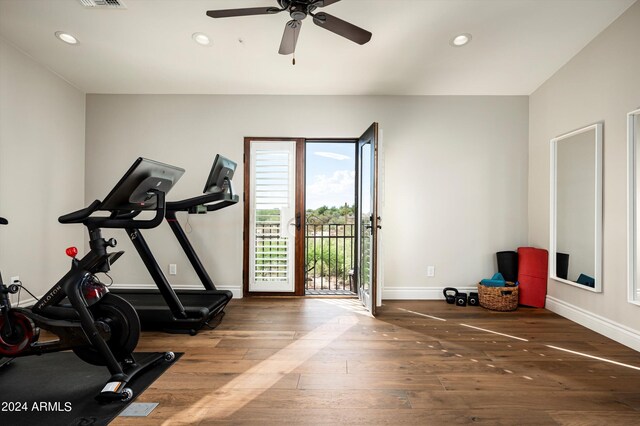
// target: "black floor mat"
[[59, 389]]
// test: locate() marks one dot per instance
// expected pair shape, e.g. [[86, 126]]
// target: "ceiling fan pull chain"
[[293, 36]]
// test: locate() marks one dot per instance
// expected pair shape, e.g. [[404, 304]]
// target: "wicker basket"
[[498, 298]]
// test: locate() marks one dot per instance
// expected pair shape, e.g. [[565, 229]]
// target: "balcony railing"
[[329, 256], [330, 252]]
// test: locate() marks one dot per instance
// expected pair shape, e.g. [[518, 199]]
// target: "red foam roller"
[[533, 268]]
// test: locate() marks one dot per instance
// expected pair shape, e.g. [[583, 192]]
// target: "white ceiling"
[[147, 48]]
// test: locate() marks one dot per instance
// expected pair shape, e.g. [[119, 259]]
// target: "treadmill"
[[183, 311]]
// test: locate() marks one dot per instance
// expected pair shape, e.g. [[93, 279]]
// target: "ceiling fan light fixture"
[[298, 15], [65, 37], [201, 39], [460, 40]]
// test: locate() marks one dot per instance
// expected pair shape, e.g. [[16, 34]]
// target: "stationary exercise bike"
[[99, 327]]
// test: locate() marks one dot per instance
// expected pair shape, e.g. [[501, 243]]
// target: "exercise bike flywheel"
[[23, 332], [122, 324]]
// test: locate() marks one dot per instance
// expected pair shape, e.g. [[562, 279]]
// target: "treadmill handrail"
[[186, 204], [222, 204]]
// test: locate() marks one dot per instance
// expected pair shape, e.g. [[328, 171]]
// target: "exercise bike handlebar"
[[119, 221], [80, 215], [126, 215]]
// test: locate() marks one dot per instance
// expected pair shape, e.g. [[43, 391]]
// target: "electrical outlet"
[[15, 279], [173, 269], [431, 271]]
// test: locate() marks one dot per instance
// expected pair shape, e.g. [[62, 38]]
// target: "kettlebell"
[[450, 294]]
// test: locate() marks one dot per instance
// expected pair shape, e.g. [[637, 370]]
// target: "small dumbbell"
[[473, 299], [461, 299]]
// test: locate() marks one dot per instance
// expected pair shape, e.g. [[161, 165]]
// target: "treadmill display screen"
[[221, 171]]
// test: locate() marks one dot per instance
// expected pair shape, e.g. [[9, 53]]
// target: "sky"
[[330, 174]]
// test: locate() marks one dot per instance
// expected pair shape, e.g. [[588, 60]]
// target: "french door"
[[274, 219], [274, 207], [367, 218]]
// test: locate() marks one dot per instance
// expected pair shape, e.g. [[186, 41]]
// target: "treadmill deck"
[[201, 307]]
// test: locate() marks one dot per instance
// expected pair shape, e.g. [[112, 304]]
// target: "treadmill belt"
[[201, 306]]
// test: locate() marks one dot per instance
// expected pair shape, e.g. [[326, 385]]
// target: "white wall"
[[456, 175], [41, 169], [602, 82]]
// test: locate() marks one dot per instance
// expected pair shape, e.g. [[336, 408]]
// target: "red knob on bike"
[[72, 252]]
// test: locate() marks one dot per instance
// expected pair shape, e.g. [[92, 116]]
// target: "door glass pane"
[[272, 220], [365, 218]]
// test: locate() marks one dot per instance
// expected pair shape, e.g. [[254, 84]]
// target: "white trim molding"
[[632, 206], [416, 293], [611, 329]]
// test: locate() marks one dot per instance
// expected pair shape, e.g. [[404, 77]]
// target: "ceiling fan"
[[299, 10]]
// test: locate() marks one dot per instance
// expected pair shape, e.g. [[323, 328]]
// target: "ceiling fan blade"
[[290, 37], [324, 3], [342, 28], [230, 13]]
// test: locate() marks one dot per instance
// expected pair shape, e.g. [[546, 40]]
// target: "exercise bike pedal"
[[115, 391]]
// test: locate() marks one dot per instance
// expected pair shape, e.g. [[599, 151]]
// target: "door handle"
[[370, 225], [371, 221], [296, 221]]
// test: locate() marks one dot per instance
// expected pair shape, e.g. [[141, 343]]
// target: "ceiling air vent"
[[103, 4]]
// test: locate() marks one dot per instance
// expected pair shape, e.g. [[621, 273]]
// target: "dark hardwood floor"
[[325, 361]]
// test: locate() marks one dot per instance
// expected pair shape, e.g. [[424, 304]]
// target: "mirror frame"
[[632, 237], [598, 127]]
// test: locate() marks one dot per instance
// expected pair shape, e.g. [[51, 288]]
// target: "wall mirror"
[[575, 255], [633, 158]]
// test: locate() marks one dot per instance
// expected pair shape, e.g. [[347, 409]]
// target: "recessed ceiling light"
[[460, 40], [201, 39], [67, 38]]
